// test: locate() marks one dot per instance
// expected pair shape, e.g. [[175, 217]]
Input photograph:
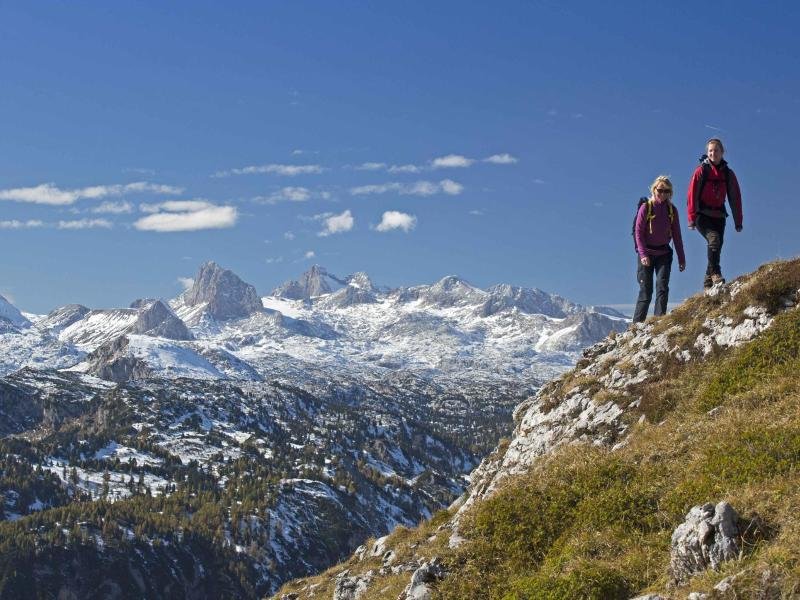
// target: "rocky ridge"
[[607, 403]]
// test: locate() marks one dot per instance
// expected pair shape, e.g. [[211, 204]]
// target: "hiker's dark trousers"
[[713, 230], [661, 266]]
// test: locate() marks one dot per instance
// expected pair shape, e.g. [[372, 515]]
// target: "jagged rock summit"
[[224, 294], [157, 319], [314, 282]]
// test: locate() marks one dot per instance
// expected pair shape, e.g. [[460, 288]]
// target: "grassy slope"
[[588, 522]]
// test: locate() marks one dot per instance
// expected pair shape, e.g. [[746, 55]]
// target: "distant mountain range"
[[254, 439], [221, 329]]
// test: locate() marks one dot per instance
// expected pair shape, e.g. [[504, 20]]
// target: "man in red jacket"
[[711, 182]]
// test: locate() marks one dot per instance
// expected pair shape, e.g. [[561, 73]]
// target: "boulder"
[[419, 586], [707, 538], [351, 587]]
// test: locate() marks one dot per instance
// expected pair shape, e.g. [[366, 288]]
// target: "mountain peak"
[[226, 295], [11, 313], [317, 281]]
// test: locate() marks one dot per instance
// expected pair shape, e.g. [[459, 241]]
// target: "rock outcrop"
[[419, 586], [226, 296], [112, 362], [351, 588], [157, 320], [707, 538], [314, 282]]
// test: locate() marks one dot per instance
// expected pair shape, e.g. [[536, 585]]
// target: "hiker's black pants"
[[661, 266], [713, 230]]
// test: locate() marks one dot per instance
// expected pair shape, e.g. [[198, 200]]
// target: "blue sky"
[[503, 142]]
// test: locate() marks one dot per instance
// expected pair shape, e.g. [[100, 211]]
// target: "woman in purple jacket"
[[656, 224]]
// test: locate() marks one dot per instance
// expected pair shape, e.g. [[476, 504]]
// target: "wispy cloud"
[[15, 224], [289, 236], [186, 282], [404, 169], [419, 188], [336, 223], [286, 194], [114, 208], [713, 128], [371, 166], [310, 254], [86, 224], [476, 213], [452, 161], [393, 219], [501, 159], [186, 215], [273, 260], [48, 193], [275, 169]]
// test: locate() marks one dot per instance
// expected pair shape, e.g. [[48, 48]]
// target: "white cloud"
[[501, 159], [186, 215], [176, 206], [14, 224], [114, 208], [393, 219], [309, 254], [337, 224], [371, 166], [476, 213], [451, 187], [85, 224], [286, 194], [273, 260], [451, 161], [48, 193], [289, 236], [404, 169], [419, 188], [186, 282], [287, 170]]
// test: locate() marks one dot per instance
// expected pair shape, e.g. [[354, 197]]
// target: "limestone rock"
[[419, 586], [226, 295], [112, 362], [351, 587], [706, 539], [156, 319]]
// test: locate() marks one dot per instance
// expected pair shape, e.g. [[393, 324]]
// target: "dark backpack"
[[704, 177], [644, 200]]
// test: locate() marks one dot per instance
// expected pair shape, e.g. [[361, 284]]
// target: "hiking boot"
[[707, 282], [717, 278]]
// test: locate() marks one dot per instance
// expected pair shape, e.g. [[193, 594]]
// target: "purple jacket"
[[655, 243]]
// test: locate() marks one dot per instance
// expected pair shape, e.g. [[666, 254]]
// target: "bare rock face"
[[112, 362], [226, 295], [351, 588], [707, 538], [419, 586], [314, 282], [158, 320]]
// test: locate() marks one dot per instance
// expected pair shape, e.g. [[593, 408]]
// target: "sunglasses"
[[664, 191]]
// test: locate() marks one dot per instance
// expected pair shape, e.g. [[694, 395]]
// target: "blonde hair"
[[659, 180], [716, 141]]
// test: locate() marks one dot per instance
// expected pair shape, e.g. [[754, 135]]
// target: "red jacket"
[[721, 181]]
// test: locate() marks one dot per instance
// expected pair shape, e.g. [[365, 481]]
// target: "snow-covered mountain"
[[449, 330], [10, 316], [306, 420]]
